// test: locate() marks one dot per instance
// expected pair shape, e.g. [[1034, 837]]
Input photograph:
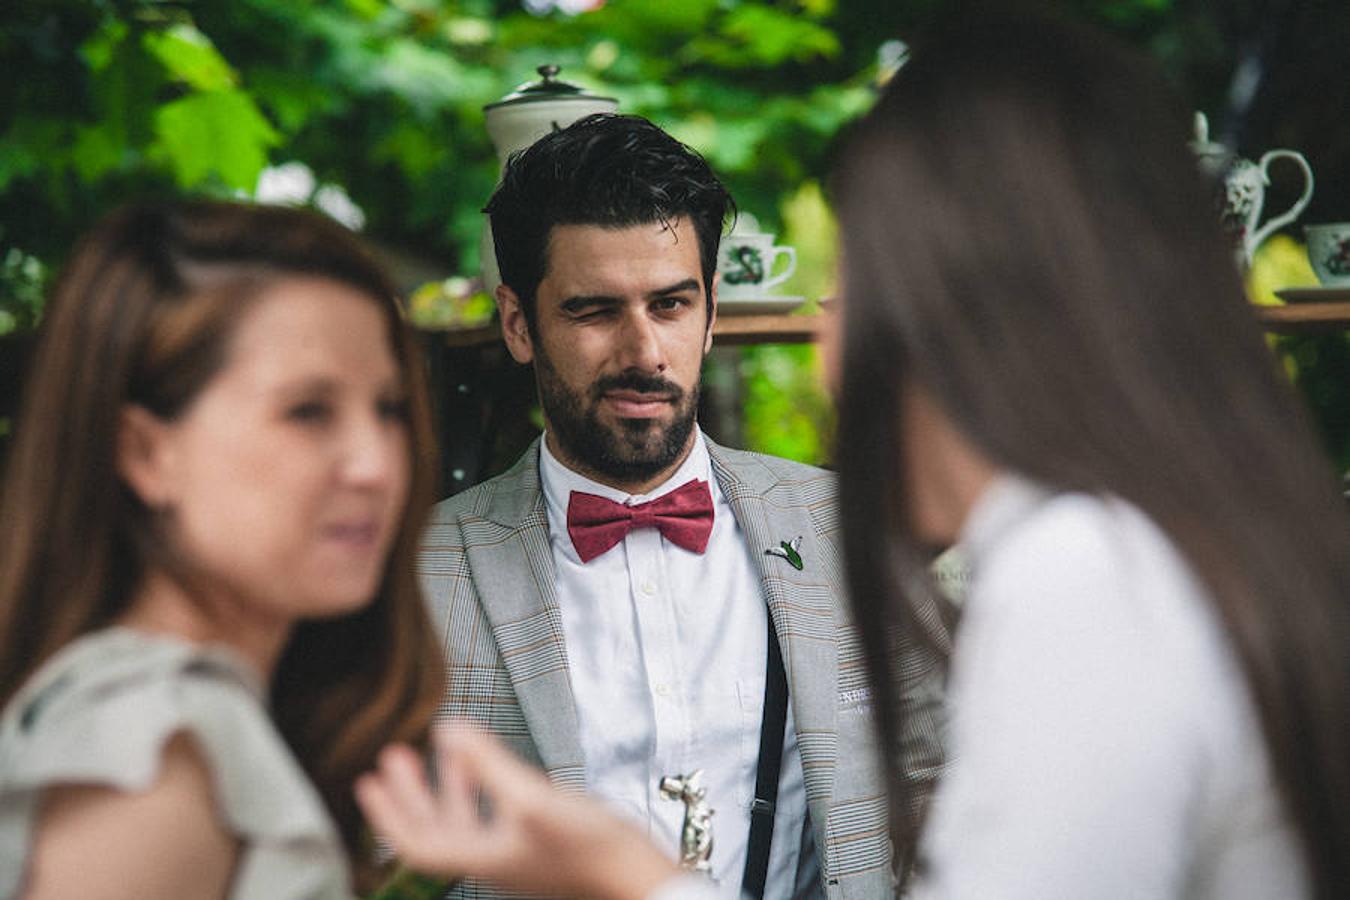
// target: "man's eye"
[[669, 304]]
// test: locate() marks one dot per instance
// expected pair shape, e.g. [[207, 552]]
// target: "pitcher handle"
[[1258, 237]]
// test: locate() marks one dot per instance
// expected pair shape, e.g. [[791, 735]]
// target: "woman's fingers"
[[496, 818], [403, 775], [485, 761], [386, 817], [398, 802]]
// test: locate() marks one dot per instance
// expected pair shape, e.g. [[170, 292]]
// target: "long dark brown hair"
[[1026, 236], [142, 315]]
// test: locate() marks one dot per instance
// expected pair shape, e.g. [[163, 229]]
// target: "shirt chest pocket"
[[725, 738]]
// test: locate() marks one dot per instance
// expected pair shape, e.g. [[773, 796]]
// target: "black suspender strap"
[[762, 808]]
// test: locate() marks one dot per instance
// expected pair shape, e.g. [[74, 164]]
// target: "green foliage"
[[220, 132], [385, 99], [187, 56], [787, 412], [22, 285], [112, 99], [1317, 364], [1321, 365], [405, 884]]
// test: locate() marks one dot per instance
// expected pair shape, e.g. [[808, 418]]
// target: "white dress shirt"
[[666, 651], [1103, 741]]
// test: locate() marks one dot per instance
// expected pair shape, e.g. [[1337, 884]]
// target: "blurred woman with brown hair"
[[210, 513]]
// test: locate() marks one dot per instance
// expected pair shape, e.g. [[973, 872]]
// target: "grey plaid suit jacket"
[[487, 573]]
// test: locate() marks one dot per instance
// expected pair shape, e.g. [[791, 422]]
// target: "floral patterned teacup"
[[746, 263], [1329, 253]]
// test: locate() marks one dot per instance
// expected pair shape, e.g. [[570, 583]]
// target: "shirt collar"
[[558, 482]]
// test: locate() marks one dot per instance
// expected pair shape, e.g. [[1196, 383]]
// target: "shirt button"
[[648, 588], [663, 690]]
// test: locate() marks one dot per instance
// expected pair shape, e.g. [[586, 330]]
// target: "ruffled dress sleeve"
[[101, 712]]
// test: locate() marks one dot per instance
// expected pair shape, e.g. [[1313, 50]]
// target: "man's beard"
[[634, 449]]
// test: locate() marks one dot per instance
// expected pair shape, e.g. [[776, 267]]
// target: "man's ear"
[[145, 456], [712, 312], [515, 329]]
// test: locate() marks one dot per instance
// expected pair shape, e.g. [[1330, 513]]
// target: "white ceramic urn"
[[1243, 183], [524, 116]]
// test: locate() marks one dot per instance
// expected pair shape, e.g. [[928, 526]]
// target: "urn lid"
[[1213, 157], [548, 88]]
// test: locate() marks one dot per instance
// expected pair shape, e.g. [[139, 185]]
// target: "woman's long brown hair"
[[143, 315], [1026, 235]]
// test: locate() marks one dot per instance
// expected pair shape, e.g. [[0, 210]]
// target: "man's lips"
[[637, 404]]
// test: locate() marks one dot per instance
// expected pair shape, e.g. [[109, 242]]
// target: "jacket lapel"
[[514, 577], [801, 602]]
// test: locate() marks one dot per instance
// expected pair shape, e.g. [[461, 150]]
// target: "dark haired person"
[[209, 620], [609, 606]]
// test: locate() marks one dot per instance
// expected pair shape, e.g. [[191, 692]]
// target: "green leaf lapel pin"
[[789, 550]]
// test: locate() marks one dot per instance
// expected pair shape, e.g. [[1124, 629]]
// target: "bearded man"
[[631, 601]]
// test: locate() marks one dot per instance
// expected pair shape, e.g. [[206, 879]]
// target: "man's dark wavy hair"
[[609, 170]]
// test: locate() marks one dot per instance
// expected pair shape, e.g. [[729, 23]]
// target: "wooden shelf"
[[1303, 317], [787, 329]]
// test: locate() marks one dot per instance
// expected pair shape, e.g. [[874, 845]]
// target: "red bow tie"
[[684, 517]]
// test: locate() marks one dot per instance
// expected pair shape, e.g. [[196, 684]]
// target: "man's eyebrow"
[[579, 302], [679, 287]]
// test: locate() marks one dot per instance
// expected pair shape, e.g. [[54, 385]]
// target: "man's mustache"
[[636, 381]]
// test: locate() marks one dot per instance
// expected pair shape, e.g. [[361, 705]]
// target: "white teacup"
[[746, 263], [1329, 253]]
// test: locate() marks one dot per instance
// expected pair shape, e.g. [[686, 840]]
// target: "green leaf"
[[757, 36], [411, 148], [468, 31], [98, 50], [366, 9], [292, 98], [97, 151], [427, 79], [687, 16], [190, 57], [220, 132], [29, 145]]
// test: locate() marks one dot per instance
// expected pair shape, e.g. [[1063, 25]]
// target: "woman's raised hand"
[[497, 819]]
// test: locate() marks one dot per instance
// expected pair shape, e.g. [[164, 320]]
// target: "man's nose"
[[640, 345]]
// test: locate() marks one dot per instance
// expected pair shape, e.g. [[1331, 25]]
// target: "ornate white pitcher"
[[1244, 189]]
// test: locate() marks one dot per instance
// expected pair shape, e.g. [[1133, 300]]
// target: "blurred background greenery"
[[372, 111]]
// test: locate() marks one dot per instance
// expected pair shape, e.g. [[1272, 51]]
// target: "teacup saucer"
[[1315, 293], [757, 306]]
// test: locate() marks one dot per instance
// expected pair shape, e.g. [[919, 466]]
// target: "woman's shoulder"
[[1107, 553], [95, 833], [101, 709], [1089, 591], [104, 711], [1088, 577]]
